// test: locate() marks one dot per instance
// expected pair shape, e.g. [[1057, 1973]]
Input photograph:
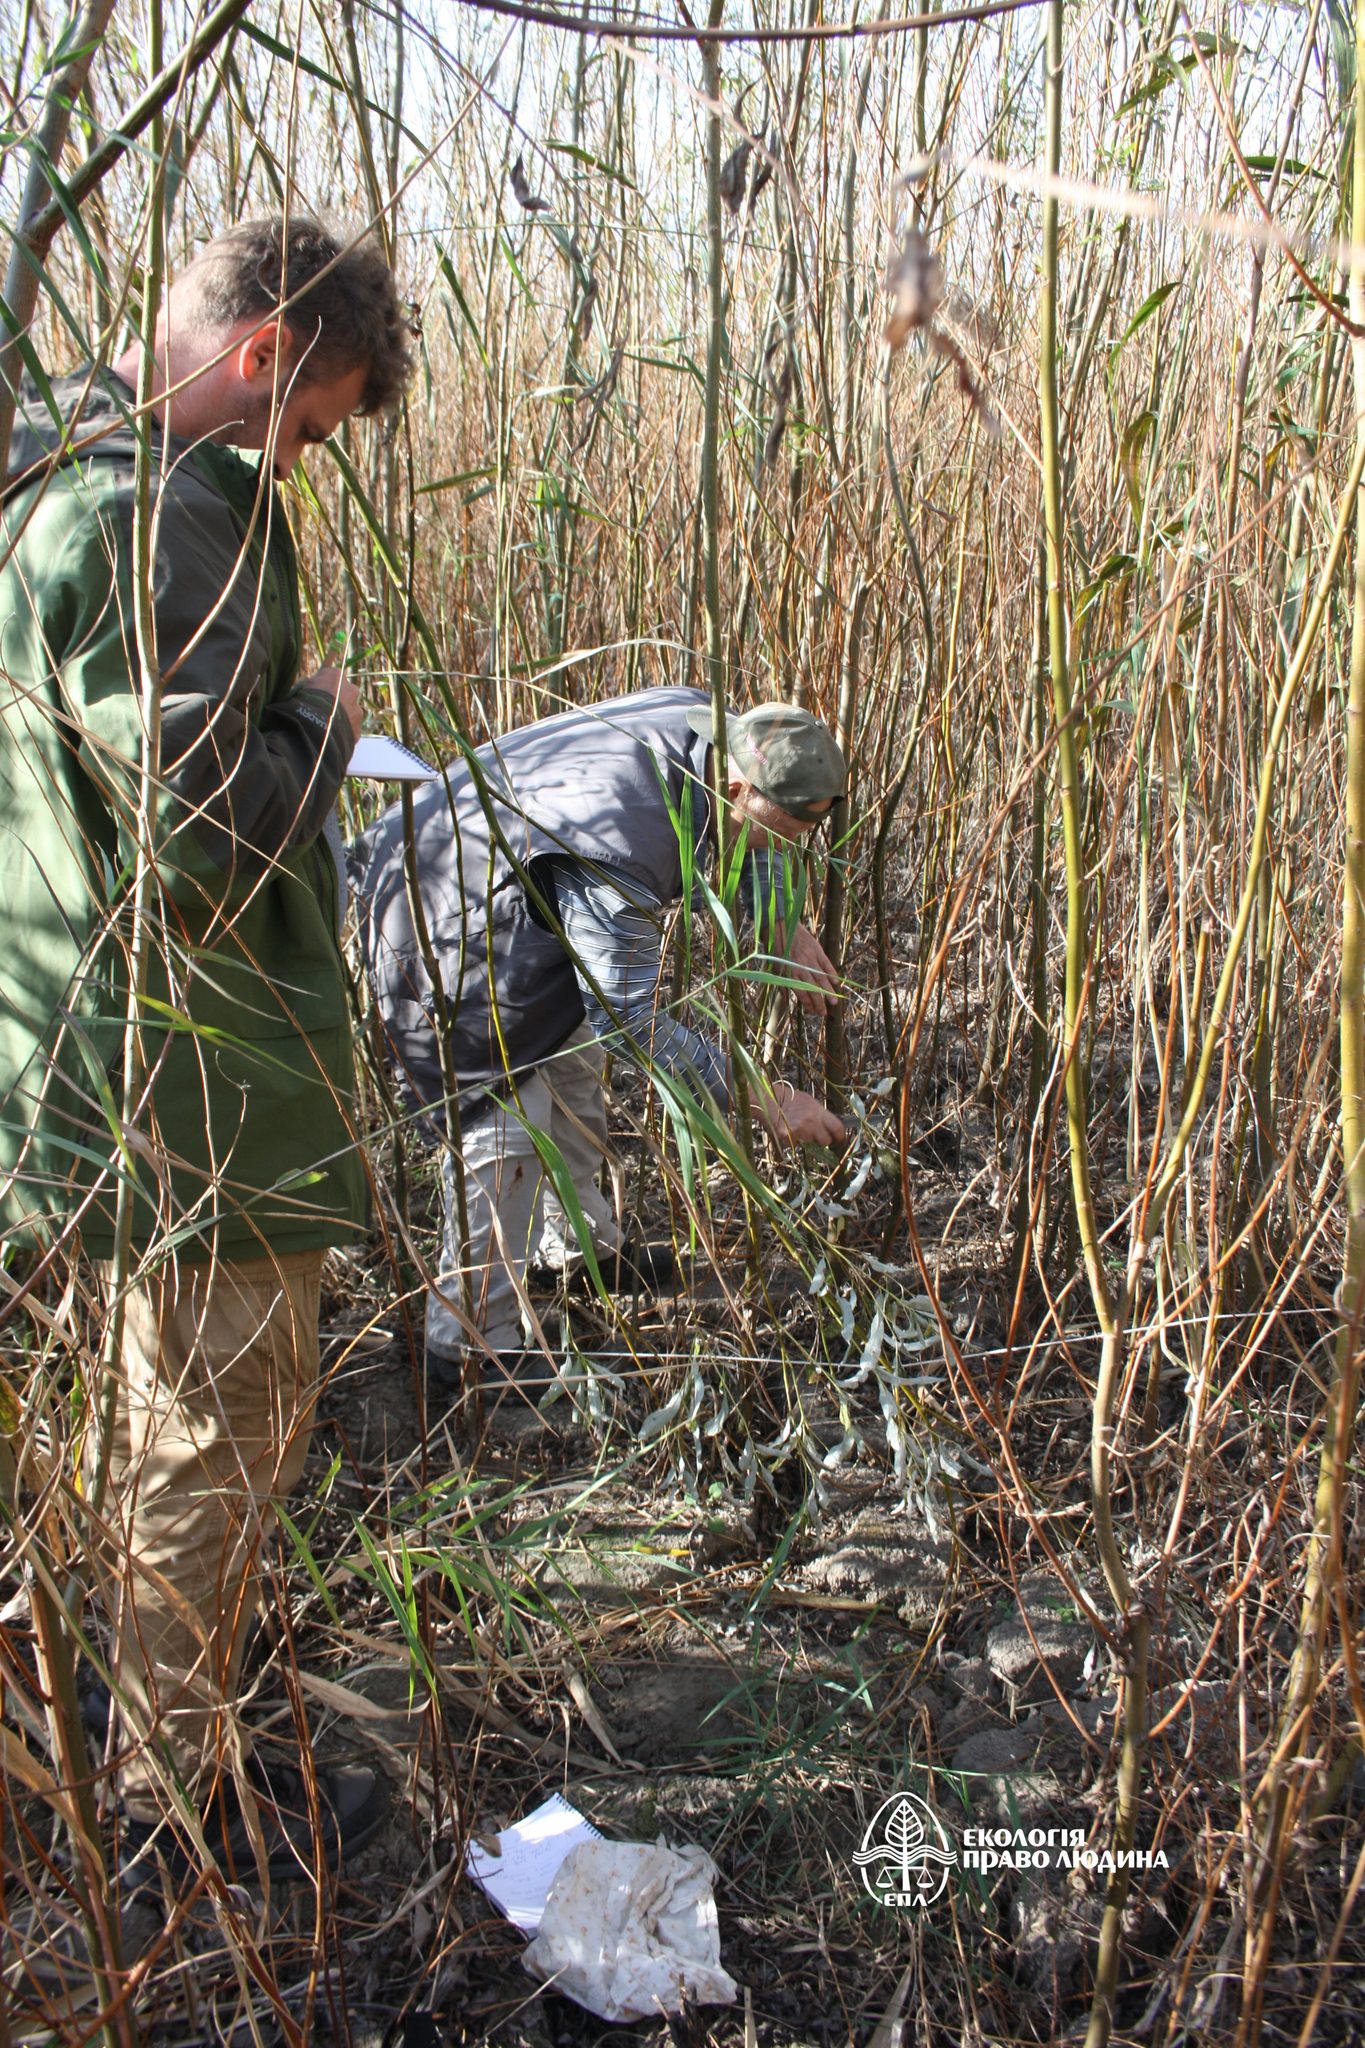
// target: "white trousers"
[[516, 1218]]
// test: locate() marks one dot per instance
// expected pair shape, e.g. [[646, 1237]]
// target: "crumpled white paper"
[[629, 1928]]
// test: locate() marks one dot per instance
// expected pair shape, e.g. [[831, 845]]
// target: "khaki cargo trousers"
[[215, 1399], [515, 1217]]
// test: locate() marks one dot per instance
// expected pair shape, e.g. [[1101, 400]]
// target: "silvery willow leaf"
[[849, 1443], [662, 1418], [783, 1435]]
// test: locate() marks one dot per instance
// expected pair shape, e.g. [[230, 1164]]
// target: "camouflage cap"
[[786, 755]]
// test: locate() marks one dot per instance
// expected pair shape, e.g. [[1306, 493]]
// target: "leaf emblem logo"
[[907, 1853]]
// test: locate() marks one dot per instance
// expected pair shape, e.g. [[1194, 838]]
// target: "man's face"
[[767, 821], [309, 413], [244, 387], [258, 390]]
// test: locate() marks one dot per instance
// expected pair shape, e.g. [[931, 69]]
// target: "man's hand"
[[343, 692], [813, 971], [795, 1118]]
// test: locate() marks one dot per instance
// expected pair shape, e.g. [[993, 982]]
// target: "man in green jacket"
[[208, 1123]]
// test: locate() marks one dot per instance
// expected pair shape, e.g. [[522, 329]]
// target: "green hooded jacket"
[[242, 1139]]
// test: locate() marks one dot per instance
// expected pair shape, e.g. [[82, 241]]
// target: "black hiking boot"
[[351, 1807], [511, 1386], [635, 1267]]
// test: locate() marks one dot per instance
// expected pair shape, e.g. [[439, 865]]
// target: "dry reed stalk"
[[1325, 1558]]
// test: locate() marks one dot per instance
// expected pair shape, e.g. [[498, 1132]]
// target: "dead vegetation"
[[1010, 1459]]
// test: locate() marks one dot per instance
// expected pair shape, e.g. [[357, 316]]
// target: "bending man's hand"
[[814, 973], [795, 1118]]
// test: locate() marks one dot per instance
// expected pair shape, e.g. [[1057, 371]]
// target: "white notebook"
[[380, 759], [519, 1877]]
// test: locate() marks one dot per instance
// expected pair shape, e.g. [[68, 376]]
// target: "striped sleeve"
[[615, 946]]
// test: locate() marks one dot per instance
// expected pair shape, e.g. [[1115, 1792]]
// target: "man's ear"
[[263, 355]]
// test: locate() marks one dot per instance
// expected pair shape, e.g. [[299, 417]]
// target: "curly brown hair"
[[337, 292]]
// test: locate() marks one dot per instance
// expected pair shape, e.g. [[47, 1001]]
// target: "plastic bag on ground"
[[630, 1928]]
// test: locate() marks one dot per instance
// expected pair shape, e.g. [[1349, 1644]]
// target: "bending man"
[[545, 926]]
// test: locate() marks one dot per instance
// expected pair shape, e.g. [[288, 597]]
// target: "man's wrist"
[[324, 713], [316, 708]]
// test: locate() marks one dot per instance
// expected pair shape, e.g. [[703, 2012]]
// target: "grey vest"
[[603, 785]]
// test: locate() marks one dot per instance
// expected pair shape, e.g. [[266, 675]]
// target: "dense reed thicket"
[[994, 388]]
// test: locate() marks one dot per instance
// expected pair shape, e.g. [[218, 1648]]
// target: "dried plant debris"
[[765, 165], [734, 173], [975, 323], [915, 281], [581, 317], [968, 383], [529, 201], [596, 397]]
